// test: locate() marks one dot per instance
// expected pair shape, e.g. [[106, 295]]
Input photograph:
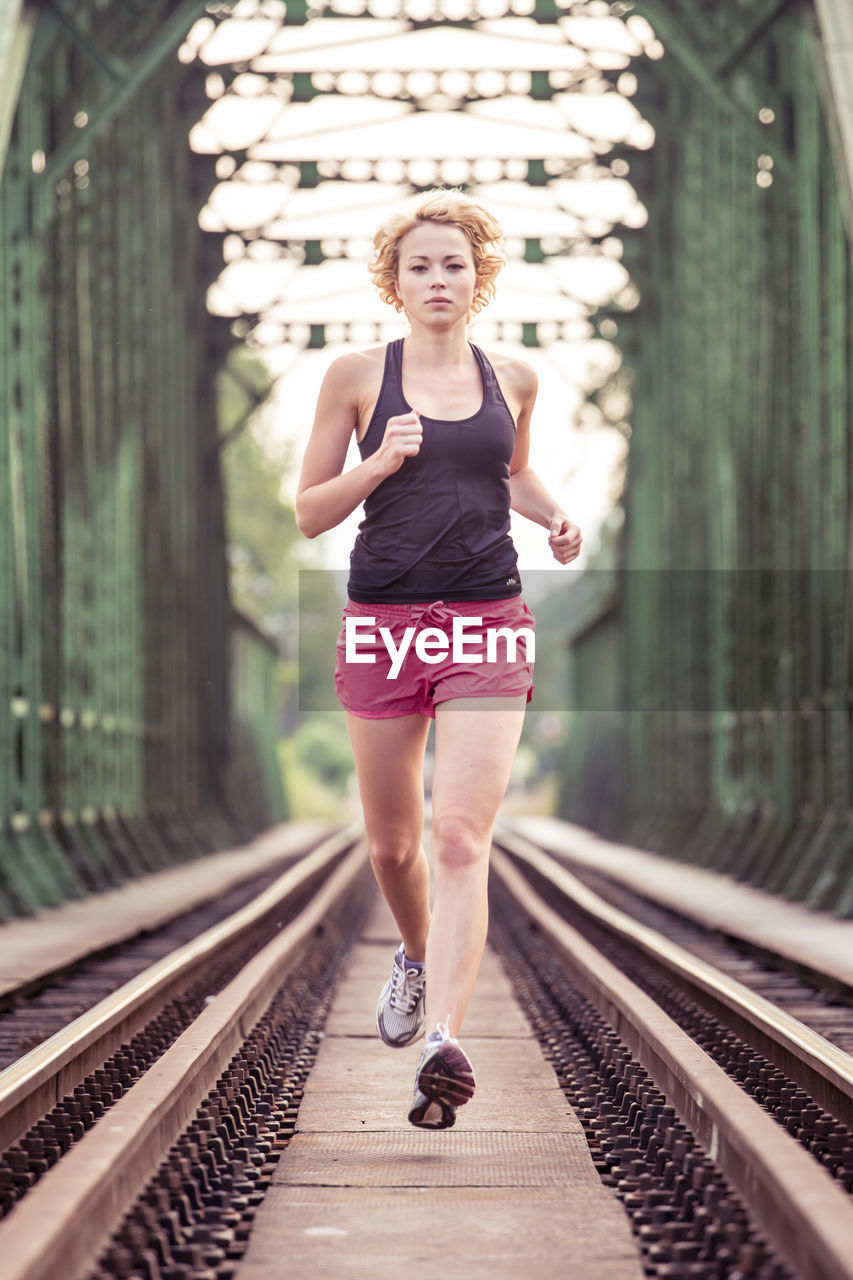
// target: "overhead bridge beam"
[[762, 22], [136, 71], [106, 63], [833, 57], [678, 41]]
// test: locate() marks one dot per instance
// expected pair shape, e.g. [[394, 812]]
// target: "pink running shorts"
[[404, 674]]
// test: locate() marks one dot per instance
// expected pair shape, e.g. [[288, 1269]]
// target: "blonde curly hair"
[[452, 208]]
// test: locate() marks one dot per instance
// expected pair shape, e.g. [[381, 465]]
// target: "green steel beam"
[[114, 680], [106, 63], [170, 35], [679, 43], [749, 38], [738, 492]]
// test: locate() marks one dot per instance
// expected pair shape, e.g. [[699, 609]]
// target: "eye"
[[418, 266]]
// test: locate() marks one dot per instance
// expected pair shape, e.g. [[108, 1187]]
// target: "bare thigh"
[[389, 759], [475, 744]]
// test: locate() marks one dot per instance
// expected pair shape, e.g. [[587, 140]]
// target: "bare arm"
[[325, 494], [528, 495], [530, 498]]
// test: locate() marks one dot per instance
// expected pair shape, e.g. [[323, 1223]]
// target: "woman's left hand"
[[564, 539]]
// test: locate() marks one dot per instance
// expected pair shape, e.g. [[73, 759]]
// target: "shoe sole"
[[447, 1081], [429, 1113]]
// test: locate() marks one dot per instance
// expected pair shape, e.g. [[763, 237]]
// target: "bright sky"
[[392, 106]]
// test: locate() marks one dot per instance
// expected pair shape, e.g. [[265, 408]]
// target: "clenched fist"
[[402, 439], [564, 539]]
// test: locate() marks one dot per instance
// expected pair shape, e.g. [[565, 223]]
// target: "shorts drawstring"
[[437, 612]]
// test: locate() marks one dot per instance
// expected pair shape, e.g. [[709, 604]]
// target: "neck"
[[438, 349]]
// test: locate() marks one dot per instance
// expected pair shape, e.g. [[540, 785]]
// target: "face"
[[436, 276]]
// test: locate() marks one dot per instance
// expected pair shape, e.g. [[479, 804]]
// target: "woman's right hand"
[[402, 439]]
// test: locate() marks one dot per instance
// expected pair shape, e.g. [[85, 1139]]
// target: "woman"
[[443, 433]]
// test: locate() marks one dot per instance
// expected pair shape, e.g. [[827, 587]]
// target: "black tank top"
[[438, 527]]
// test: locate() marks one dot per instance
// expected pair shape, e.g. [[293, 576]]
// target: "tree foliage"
[[261, 528], [266, 550]]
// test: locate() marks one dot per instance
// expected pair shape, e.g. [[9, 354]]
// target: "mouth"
[[438, 302]]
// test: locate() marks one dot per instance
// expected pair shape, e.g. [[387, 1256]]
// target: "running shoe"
[[400, 1011], [444, 1081]]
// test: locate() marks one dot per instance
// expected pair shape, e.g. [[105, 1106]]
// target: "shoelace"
[[406, 988]]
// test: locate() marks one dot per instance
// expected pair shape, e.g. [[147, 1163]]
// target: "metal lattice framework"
[[318, 129], [129, 725], [721, 654], [115, 714], [728, 641]]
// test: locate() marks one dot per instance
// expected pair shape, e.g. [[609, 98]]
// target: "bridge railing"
[[117, 735], [733, 642]]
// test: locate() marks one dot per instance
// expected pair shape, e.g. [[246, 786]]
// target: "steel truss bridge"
[[179, 177]]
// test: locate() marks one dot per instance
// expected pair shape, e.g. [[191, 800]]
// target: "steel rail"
[[795, 1201], [817, 1065], [178, 891], [30, 1087], [61, 1226]]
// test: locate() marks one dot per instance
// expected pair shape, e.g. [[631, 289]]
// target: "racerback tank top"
[[438, 527]]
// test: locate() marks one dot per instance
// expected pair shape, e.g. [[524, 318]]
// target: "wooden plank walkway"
[[510, 1191]]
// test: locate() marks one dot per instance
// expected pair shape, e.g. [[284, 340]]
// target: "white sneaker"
[[444, 1081], [400, 1011]]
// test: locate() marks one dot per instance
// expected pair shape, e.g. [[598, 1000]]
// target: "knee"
[[390, 854], [459, 843]]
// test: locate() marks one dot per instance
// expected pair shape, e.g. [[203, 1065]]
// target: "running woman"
[[443, 431]]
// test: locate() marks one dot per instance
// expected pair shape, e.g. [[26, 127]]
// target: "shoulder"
[[518, 380], [356, 367], [516, 374], [352, 383], [351, 387]]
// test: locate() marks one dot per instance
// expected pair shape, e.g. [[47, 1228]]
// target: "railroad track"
[[33, 1009], [142, 1060], [768, 1099], [194, 1071]]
